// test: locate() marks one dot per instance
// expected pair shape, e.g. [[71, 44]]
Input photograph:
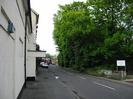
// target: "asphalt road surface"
[[56, 83]]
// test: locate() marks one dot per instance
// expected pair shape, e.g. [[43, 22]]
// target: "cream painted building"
[[12, 70], [16, 40], [31, 48]]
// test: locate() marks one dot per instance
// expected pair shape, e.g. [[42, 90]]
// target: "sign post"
[[121, 67]]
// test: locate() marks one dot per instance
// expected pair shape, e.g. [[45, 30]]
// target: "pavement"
[[57, 83], [129, 81]]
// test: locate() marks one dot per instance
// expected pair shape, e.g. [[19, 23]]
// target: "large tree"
[[94, 33]]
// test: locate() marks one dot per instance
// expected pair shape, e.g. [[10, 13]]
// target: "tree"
[[94, 33]]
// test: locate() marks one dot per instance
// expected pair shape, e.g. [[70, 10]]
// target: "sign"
[[36, 54], [121, 63]]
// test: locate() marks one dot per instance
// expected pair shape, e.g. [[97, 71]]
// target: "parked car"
[[44, 65]]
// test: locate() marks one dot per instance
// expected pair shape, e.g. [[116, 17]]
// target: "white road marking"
[[82, 77], [56, 77], [104, 86]]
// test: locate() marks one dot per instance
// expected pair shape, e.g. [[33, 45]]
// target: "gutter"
[[25, 48], [29, 14]]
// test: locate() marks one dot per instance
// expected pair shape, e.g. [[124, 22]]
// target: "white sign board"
[[121, 63], [37, 54]]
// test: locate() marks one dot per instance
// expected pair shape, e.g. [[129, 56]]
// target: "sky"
[[46, 9]]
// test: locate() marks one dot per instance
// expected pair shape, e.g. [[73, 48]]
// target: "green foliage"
[[95, 33]]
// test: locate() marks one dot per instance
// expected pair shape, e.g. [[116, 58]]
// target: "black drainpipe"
[[27, 14], [25, 48]]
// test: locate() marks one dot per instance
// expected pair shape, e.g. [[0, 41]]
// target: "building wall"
[[11, 50], [31, 45], [6, 66], [34, 20], [31, 61], [19, 48], [31, 67]]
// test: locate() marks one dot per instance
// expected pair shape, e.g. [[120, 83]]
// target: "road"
[[56, 83]]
